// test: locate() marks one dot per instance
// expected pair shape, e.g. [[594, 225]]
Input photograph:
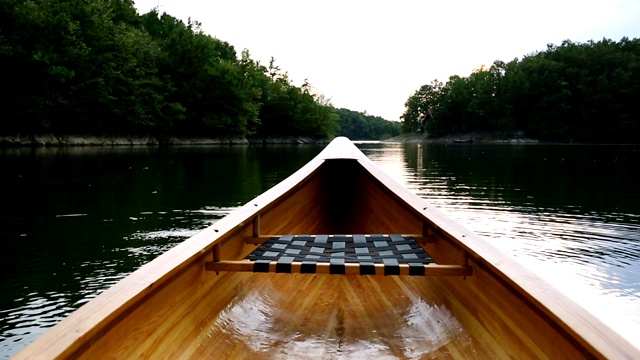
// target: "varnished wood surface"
[[172, 307], [331, 316]]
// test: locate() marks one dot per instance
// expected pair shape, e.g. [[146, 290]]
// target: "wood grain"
[[324, 316]]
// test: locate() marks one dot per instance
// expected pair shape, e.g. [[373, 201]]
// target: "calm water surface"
[[76, 220], [569, 213]]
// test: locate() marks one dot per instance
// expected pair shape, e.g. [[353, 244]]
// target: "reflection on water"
[[569, 213]]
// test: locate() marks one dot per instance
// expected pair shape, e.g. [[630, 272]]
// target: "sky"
[[371, 56]]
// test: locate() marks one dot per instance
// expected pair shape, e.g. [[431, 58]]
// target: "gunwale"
[[88, 325]]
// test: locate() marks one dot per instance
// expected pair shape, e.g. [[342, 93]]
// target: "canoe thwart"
[[299, 267], [393, 254]]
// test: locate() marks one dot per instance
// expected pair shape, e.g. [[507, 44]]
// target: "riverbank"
[[470, 137], [53, 140]]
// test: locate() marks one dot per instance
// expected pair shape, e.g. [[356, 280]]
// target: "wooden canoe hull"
[[174, 307]]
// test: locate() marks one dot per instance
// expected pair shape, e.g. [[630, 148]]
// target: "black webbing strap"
[[338, 250], [261, 265]]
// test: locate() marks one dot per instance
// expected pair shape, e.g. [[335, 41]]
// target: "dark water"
[[76, 220]]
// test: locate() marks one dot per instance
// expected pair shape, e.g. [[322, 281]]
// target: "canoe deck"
[[330, 316]]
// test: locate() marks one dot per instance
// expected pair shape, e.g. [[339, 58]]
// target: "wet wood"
[[324, 316]]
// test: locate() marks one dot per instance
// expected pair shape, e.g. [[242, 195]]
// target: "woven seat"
[[340, 254], [338, 250]]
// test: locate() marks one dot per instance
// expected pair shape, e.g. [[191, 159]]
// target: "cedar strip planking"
[[328, 316]]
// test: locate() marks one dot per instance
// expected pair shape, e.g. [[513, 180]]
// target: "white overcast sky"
[[372, 55]]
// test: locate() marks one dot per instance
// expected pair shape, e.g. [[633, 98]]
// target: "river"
[[76, 220]]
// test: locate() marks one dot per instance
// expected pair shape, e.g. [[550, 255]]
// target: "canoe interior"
[[335, 201], [323, 316], [174, 308]]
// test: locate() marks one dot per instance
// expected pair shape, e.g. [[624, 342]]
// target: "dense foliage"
[[575, 91], [362, 126], [77, 66]]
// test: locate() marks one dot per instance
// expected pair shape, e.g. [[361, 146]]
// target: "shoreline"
[[51, 140], [511, 138], [467, 138]]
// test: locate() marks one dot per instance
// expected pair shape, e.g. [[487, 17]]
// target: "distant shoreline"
[[51, 140], [469, 137], [515, 138]]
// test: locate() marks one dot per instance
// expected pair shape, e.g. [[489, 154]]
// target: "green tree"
[[420, 107], [573, 91], [77, 67], [212, 92], [288, 110], [362, 126]]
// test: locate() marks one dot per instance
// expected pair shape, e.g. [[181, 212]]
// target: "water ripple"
[[19, 325], [591, 255]]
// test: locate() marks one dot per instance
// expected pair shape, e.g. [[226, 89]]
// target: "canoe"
[[337, 260]]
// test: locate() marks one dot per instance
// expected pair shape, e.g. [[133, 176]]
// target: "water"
[[76, 220], [570, 213]]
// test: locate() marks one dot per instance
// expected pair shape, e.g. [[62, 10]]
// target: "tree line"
[[99, 67], [363, 126], [576, 91]]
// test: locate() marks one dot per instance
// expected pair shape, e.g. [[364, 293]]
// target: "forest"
[[363, 126], [585, 92], [99, 67]]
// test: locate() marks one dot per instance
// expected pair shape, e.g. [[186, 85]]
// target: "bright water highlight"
[[570, 213]]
